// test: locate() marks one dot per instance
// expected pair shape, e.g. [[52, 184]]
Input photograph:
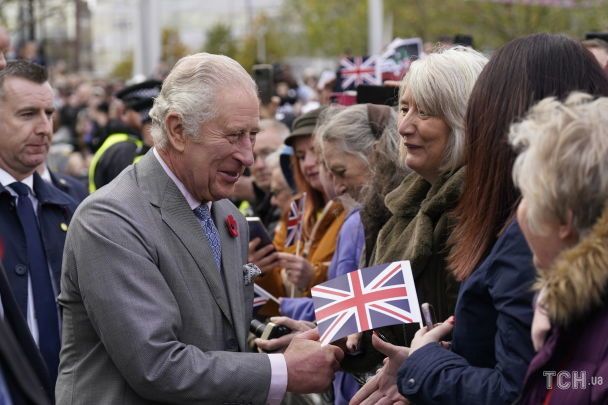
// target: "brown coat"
[[417, 231], [318, 249]]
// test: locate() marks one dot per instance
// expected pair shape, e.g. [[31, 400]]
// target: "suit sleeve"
[[435, 375], [136, 316]]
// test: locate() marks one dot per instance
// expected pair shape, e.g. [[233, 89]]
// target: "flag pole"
[[302, 205]]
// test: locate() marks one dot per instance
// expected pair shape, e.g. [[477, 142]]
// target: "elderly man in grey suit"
[[156, 305]]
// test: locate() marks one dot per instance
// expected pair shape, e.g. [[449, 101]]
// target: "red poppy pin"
[[232, 226]]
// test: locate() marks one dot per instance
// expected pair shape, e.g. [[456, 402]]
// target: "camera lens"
[[256, 327]]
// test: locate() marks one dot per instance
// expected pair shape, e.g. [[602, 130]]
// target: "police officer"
[[119, 150]]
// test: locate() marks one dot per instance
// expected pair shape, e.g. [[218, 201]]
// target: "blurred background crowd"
[[369, 113]]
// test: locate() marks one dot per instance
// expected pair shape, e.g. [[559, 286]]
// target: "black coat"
[[70, 185], [55, 210], [20, 361], [491, 345]]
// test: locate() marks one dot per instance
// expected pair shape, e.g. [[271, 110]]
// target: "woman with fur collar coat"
[[564, 217], [432, 104]]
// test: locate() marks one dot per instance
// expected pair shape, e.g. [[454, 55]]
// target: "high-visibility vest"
[[109, 142]]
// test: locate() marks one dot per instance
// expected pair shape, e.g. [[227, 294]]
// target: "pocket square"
[[250, 272]]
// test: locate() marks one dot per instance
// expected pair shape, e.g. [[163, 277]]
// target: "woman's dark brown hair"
[[518, 75]]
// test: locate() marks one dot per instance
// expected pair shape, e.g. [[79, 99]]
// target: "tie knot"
[[202, 212], [20, 188]]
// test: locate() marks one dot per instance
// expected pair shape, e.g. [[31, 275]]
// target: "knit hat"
[[304, 125]]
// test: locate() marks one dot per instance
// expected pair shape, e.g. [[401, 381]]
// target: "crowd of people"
[[127, 272]]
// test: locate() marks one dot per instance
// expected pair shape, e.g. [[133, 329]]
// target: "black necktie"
[[44, 297]]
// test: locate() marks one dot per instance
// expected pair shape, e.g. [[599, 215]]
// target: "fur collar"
[[577, 282], [415, 195]]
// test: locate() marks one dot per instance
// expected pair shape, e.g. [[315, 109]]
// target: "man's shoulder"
[[52, 196], [121, 194]]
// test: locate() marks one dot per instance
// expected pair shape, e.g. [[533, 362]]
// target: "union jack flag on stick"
[[366, 299], [358, 70], [294, 220], [261, 296]]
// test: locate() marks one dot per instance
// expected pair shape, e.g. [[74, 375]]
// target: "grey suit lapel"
[[176, 213], [233, 271]]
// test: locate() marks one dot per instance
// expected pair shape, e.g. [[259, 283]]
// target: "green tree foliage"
[[123, 69], [332, 28], [172, 48], [322, 27], [264, 32], [220, 41], [493, 23], [269, 31]]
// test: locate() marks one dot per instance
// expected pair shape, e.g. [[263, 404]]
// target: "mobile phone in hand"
[[428, 315], [258, 230]]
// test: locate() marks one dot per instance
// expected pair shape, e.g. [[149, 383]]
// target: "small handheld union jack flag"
[[366, 299], [294, 220], [261, 297], [358, 70], [258, 301]]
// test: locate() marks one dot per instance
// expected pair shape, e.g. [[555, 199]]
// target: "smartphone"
[[386, 95], [597, 35], [258, 230], [428, 315], [263, 77]]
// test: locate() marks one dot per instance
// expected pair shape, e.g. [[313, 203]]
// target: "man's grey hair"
[[563, 161], [191, 90], [440, 84], [23, 70]]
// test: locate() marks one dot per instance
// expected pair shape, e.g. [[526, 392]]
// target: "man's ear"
[[175, 131]]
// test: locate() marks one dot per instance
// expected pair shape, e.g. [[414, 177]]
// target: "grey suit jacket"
[[147, 317]]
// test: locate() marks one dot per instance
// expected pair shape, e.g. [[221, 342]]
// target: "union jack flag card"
[[366, 299], [358, 70], [261, 296], [258, 301], [294, 220]]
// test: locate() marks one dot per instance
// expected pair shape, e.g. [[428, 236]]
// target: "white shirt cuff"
[[278, 379]]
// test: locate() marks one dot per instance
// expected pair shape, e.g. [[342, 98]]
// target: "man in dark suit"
[[24, 373], [68, 184], [155, 295], [34, 215]]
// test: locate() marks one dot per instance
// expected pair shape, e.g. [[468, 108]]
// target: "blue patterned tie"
[[210, 231], [44, 297]]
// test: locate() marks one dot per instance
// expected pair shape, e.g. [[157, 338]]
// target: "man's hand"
[[382, 388], [425, 336], [299, 270], [310, 366], [265, 258], [279, 344]]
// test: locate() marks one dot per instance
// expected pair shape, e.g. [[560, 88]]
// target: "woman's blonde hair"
[[562, 165], [440, 84]]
